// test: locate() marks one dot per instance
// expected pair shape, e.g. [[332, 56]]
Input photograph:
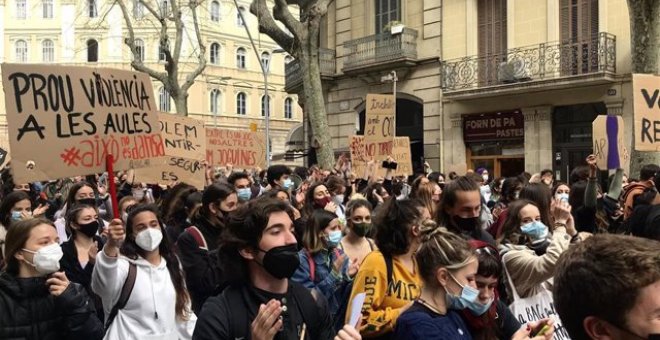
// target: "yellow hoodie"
[[382, 306]]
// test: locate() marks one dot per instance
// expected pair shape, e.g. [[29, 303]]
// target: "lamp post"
[[264, 71], [391, 77]]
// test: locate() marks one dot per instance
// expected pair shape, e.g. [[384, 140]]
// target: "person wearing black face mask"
[[198, 242], [461, 207], [258, 254], [81, 249]]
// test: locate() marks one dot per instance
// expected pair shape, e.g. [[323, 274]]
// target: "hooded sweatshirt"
[[150, 310]]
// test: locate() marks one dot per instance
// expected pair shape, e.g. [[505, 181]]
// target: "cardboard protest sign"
[[360, 155], [379, 128], [608, 142], [646, 103], [64, 120], [185, 149], [243, 149]]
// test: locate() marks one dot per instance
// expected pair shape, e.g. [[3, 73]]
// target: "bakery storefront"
[[495, 141]]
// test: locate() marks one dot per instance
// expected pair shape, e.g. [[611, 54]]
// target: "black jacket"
[[230, 314], [199, 265], [29, 311], [70, 265]]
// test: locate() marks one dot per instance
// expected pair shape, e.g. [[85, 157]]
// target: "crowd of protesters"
[[283, 253]]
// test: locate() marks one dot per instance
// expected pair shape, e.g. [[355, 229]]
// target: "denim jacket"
[[335, 287]]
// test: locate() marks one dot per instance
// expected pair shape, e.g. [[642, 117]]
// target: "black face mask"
[[90, 229], [468, 224], [281, 262], [87, 201]]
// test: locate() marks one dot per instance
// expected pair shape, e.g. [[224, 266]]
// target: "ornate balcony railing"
[[536, 62], [380, 48], [293, 70]]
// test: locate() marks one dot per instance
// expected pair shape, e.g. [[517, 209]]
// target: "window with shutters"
[[492, 38], [579, 36], [386, 12]]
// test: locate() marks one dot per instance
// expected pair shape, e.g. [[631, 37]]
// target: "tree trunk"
[[645, 50], [181, 104], [315, 109]]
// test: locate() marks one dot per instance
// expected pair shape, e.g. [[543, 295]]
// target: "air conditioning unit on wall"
[[513, 71]]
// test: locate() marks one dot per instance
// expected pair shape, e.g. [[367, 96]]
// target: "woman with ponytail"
[[389, 276]]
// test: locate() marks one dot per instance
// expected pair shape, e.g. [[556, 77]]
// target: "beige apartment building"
[[228, 94], [509, 85]]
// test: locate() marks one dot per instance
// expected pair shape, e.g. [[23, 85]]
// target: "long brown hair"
[[132, 251], [425, 195], [511, 229], [15, 240]]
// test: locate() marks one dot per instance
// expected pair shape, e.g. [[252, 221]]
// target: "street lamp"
[[217, 80], [391, 77]]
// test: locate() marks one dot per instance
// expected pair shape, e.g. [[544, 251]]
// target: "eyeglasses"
[[488, 250]]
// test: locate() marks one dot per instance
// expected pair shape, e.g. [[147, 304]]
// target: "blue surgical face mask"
[[333, 238], [561, 197], [16, 216], [244, 194], [288, 183], [478, 309], [467, 298], [536, 230]]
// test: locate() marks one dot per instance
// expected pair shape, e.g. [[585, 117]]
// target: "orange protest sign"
[[243, 149], [64, 120]]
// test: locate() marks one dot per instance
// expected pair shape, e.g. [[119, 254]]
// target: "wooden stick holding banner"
[[111, 185]]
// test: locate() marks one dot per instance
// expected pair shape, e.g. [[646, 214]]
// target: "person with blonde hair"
[[429, 194], [448, 268]]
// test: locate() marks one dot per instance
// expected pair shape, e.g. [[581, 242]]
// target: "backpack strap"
[[126, 291], [197, 235], [312, 265], [308, 308]]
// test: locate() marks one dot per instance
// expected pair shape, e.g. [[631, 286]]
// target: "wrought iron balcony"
[[293, 70], [531, 63], [381, 51]]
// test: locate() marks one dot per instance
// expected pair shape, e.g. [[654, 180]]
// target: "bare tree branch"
[[268, 26], [190, 79], [281, 13], [130, 42]]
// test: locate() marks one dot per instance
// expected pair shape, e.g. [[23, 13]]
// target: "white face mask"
[[138, 193], [124, 217], [485, 177], [149, 239], [47, 259]]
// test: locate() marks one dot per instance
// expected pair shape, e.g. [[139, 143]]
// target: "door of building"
[[572, 134], [499, 166]]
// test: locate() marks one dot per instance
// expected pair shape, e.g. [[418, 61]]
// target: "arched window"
[[21, 51], [240, 58], [91, 9], [47, 9], [241, 102], [265, 61], [92, 50], [48, 51], [215, 11], [139, 49], [239, 19], [215, 101], [288, 108], [164, 96], [21, 9], [265, 106], [215, 53]]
